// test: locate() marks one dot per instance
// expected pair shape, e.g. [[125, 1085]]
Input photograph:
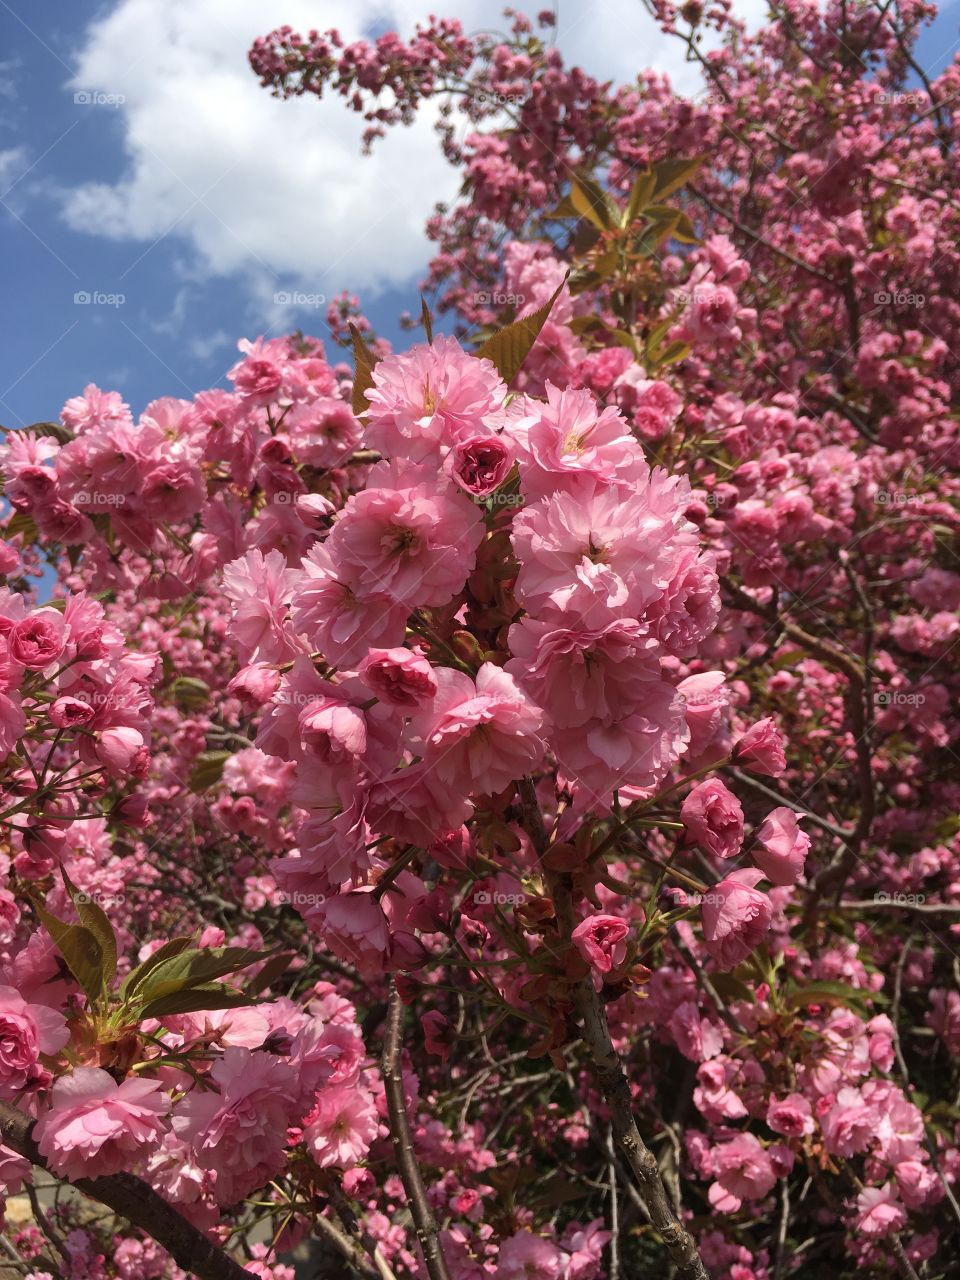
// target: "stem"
[[615, 1088], [134, 1200], [426, 1224]]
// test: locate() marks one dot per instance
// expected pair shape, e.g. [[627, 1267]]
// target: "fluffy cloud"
[[278, 190]]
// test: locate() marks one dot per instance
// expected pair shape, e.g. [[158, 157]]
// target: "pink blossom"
[[400, 677], [39, 639], [760, 749], [736, 917], [600, 941], [341, 1126], [879, 1212], [790, 1115], [94, 1127], [260, 587], [782, 847], [481, 463], [26, 1031], [713, 819], [408, 536], [480, 735], [239, 1129], [431, 396], [567, 445], [338, 622], [355, 928], [743, 1171], [525, 1256]]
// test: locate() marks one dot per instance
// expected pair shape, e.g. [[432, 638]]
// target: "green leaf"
[[510, 346], [93, 917], [641, 195], [212, 995], [136, 977], [730, 987], [190, 692], [426, 318], [833, 993], [207, 769], [673, 352], [565, 209], [79, 948], [55, 429], [23, 523], [685, 231], [671, 175], [275, 968], [590, 201], [195, 968], [364, 360]]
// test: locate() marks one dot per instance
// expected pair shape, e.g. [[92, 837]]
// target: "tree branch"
[[426, 1224], [134, 1200]]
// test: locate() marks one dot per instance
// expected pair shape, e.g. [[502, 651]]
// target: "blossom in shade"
[[781, 848], [879, 1211], [736, 916], [713, 819], [601, 941], [760, 749]]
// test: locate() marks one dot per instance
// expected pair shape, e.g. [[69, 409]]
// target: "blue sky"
[[197, 199]]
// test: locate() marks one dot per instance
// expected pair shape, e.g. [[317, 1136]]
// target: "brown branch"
[[133, 1199], [428, 1232], [615, 1088]]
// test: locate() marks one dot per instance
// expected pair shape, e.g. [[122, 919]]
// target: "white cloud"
[[278, 190]]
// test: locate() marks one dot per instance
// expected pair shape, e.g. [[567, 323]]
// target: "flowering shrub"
[[486, 809]]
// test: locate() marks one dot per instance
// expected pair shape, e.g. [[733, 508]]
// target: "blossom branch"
[[134, 1200], [426, 1224]]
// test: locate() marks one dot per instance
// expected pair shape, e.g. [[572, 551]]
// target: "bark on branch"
[[428, 1232], [615, 1088], [133, 1199]]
